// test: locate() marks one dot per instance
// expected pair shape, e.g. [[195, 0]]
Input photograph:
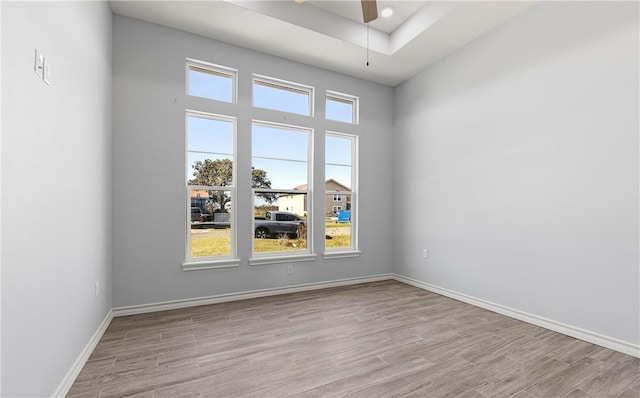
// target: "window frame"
[[286, 256], [232, 260], [346, 98], [353, 250], [214, 69], [285, 85]]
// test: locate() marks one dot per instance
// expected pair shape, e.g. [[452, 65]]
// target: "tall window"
[[283, 96], [280, 176], [281, 169], [210, 186], [340, 192], [211, 81], [341, 107]]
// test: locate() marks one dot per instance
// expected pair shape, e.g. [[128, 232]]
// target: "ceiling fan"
[[369, 13], [369, 9]]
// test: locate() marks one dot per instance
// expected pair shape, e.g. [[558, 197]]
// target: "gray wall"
[[517, 167], [56, 189], [149, 166]]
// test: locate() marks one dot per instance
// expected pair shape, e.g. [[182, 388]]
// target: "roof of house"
[[303, 187]]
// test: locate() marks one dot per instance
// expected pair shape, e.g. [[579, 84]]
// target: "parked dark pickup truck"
[[278, 224]]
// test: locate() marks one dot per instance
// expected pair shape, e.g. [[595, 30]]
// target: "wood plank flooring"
[[383, 339]]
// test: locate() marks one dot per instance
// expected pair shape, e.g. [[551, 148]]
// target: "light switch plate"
[[38, 64], [47, 72]]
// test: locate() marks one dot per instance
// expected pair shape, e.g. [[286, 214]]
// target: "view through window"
[[211, 81], [280, 177], [340, 174], [341, 107], [210, 186], [282, 96]]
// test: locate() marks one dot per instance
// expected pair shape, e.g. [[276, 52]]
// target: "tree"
[[219, 173]]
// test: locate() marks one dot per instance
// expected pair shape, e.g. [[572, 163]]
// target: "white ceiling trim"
[[306, 15], [418, 23], [317, 37]]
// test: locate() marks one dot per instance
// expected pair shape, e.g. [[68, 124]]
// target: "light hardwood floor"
[[383, 339]]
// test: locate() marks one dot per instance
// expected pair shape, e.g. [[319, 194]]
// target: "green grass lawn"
[[221, 246], [205, 247], [338, 225]]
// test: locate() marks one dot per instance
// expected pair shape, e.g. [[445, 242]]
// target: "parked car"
[[198, 215], [278, 224]]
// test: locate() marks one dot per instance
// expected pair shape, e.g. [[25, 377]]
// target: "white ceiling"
[[330, 34]]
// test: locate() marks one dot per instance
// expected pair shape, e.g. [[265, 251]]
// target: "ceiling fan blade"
[[369, 10]]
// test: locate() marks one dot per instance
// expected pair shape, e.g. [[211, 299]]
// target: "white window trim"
[[280, 258], [341, 254], [286, 85], [212, 264], [192, 263], [218, 69], [277, 257], [353, 250], [355, 101]]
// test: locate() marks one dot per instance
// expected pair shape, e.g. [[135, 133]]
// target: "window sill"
[[282, 259], [210, 264], [347, 254]]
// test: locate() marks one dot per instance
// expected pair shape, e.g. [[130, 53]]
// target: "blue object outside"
[[344, 216]]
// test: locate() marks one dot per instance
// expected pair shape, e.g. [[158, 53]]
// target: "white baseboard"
[[221, 298], [582, 334], [73, 373]]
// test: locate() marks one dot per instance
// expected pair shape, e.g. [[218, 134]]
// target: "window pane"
[[210, 151], [281, 98], [281, 143], [210, 84], [279, 157], [338, 222], [210, 135], [210, 170], [339, 110], [210, 218], [341, 175], [338, 158], [280, 222], [338, 150], [283, 174]]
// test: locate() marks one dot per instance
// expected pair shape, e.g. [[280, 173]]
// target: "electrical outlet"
[[425, 254], [289, 269], [97, 289]]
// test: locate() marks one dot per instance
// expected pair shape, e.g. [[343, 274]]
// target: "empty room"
[[307, 198]]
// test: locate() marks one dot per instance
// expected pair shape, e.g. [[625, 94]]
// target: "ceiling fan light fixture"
[[386, 12]]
